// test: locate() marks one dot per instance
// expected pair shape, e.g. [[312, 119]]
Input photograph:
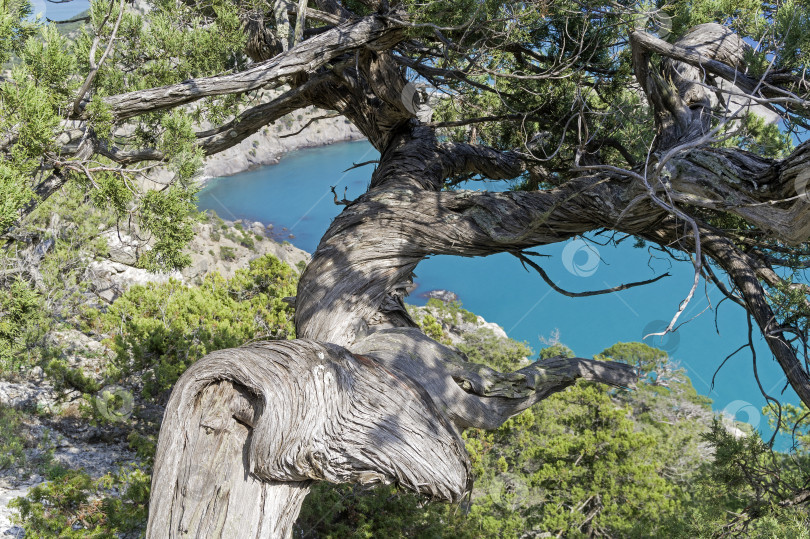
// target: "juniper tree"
[[676, 125]]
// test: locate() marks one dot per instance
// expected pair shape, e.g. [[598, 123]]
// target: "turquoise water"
[[294, 196], [60, 11]]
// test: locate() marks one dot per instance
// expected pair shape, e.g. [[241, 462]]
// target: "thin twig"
[[315, 119], [525, 260]]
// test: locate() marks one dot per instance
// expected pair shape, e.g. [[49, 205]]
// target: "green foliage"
[[648, 362], [227, 253], [480, 345], [65, 377], [248, 241], [144, 445], [544, 30], [580, 450], [483, 346], [754, 484], [432, 327], [178, 43], [796, 421], [241, 236], [754, 134], [100, 118], [780, 28], [348, 511], [31, 102], [23, 322], [49, 63], [450, 311], [12, 437], [556, 350], [71, 226], [21, 448], [179, 142], [789, 302], [169, 216], [73, 505], [13, 194], [14, 27], [162, 328], [65, 229]]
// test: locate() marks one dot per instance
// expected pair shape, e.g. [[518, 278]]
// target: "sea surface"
[[295, 197], [60, 10]]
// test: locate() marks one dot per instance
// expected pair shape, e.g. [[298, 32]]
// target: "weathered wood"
[[363, 396], [209, 491], [372, 31], [474, 395], [680, 97], [246, 429]]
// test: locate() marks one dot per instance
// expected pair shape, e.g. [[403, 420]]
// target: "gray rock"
[[81, 352], [443, 295], [109, 279], [202, 247], [15, 532], [456, 329], [36, 374], [267, 146], [122, 247], [27, 395]]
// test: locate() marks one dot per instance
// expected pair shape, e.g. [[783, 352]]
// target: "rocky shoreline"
[[306, 128], [287, 134]]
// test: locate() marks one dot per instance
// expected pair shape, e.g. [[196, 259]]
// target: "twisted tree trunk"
[[363, 396]]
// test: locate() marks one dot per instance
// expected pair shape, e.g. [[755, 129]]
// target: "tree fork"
[[364, 396], [246, 430]]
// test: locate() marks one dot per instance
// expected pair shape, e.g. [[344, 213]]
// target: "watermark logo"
[[668, 343], [741, 411], [415, 99], [580, 258], [800, 184], [114, 403], [411, 98], [656, 22], [200, 483]]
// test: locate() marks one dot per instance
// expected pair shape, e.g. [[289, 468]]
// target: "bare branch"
[[525, 260], [310, 122], [372, 31], [94, 67]]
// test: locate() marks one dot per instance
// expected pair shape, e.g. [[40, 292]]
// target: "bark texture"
[[363, 396], [247, 429]]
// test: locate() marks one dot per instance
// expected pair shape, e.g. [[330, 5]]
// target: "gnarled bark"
[[246, 430], [363, 395]]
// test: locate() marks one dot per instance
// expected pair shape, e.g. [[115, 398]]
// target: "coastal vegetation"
[[679, 126], [586, 461]]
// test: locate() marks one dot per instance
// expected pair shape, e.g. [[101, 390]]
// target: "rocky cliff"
[[290, 133], [218, 245], [306, 128]]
